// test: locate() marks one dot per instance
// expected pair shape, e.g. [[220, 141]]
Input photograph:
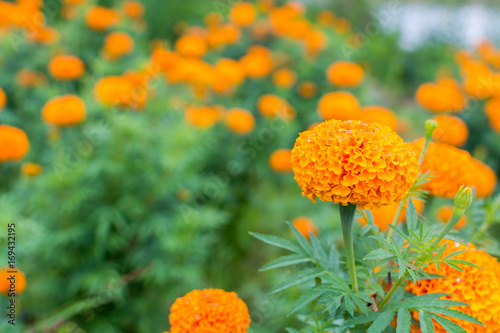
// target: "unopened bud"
[[430, 126], [463, 198]]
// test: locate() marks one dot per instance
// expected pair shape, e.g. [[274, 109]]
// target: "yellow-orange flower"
[[492, 110], [101, 18], [315, 41], [326, 18], [117, 44], [265, 5], [444, 214], [121, 91], [284, 78], [202, 116], [229, 73], [30, 78], [67, 110], [240, 121], [191, 46], [485, 179], [133, 9], [281, 160], [378, 114], [474, 286], [14, 144], [258, 62], [223, 35], [3, 99], [451, 129], [17, 285], [345, 74], [209, 310], [270, 105], [340, 105], [66, 67], [31, 169], [352, 162], [383, 216], [443, 96], [243, 13], [307, 89], [479, 80], [305, 225]]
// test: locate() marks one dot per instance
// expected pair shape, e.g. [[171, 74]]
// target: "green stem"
[[455, 217], [347, 219], [396, 219], [390, 292]]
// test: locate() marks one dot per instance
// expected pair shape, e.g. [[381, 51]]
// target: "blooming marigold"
[[443, 96], [191, 46], [66, 67], [133, 9], [492, 110], [284, 78], [353, 162], [340, 105], [383, 216], [7, 285], [67, 110], [485, 179], [451, 129], [117, 44], [307, 89], [30, 78], [281, 160], [265, 5], [229, 73], [444, 214], [305, 225], [479, 80], [121, 91], [14, 144], [101, 18], [223, 35], [258, 62], [270, 105], [345, 74], [378, 114], [31, 169], [3, 99], [243, 13], [202, 116], [477, 287], [240, 121], [209, 310], [315, 41]]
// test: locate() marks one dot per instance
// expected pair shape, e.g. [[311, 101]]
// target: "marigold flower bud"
[[430, 126], [463, 198]]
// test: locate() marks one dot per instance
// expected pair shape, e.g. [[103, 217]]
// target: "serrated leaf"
[[349, 304], [337, 280], [411, 215], [404, 321], [362, 319], [306, 298], [288, 260], [378, 254], [319, 252], [426, 324], [298, 278], [380, 324], [452, 313], [277, 241], [462, 262], [304, 244], [453, 254], [416, 302], [447, 324]]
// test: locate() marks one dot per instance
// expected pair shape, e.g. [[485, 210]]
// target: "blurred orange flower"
[[100, 18], [7, 286], [67, 110], [3, 99], [281, 160], [117, 44], [307, 89], [443, 96], [202, 116], [305, 225], [378, 114], [30, 78], [270, 105], [284, 78], [31, 169], [240, 121], [258, 62], [243, 13], [191, 46], [383, 216], [451, 129], [492, 110], [345, 74], [14, 144], [133, 9], [66, 67], [340, 105]]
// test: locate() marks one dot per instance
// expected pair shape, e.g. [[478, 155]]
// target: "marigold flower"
[[261, 30], [383, 216], [284, 78], [229, 73], [118, 44], [492, 110], [342, 26], [191, 46], [479, 80], [281, 160], [451, 129], [44, 35], [305, 225], [30, 78], [340, 105], [202, 116], [67, 110], [444, 214], [489, 53], [307, 89], [350, 162], [31, 169], [121, 91], [14, 144], [66, 67], [270, 105], [378, 114], [345, 74], [326, 18], [100, 18], [243, 13], [3, 99], [258, 62], [474, 286], [209, 310], [5, 284], [133, 9], [443, 96], [315, 41], [240, 121], [265, 5], [485, 179], [224, 35]]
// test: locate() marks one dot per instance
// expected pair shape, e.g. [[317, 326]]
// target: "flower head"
[[14, 144], [240, 121], [270, 105], [101, 18], [209, 310], [67, 110], [305, 225], [19, 284], [345, 74], [338, 105], [307, 89], [443, 96], [492, 110], [485, 180], [378, 114], [133, 9], [191, 46], [66, 67], [243, 13], [284, 78], [117, 44], [3, 99], [450, 129], [353, 162], [202, 116], [281, 160]]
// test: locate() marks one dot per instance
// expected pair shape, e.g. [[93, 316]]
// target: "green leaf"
[[414, 303], [453, 254], [380, 324], [378, 254], [277, 241], [302, 240], [363, 319], [426, 324], [452, 313], [447, 324], [298, 278], [319, 252], [404, 321], [349, 304], [306, 298], [462, 262], [338, 281], [288, 260], [411, 216]]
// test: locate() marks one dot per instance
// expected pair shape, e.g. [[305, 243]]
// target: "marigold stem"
[[390, 292], [347, 219], [455, 217]]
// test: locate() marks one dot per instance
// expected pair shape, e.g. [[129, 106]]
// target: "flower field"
[[244, 166]]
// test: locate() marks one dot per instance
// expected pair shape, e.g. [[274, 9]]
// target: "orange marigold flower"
[[477, 287], [443, 96], [30, 78], [281, 160], [66, 67], [209, 310], [31, 169], [383, 216], [485, 179], [345, 74], [133, 9], [492, 110], [243, 13], [265, 5], [213, 20], [191, 46], [121, 91], [338, 105], [479, 80], [378, 114], [202, 116], [444, 214], [326, 18], [18, 284], [44, 35], [224, 35], [14, 144], [229, 73], [352, 162], [261, 30], [117, 44], [342, 26], [270, 105], [307, 89], [315, 41], [284, 78], [489, 53], [258, 62], [67, 110], [100, 18], [3, 99], [240, 121], [451, 129], [305, 225]]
